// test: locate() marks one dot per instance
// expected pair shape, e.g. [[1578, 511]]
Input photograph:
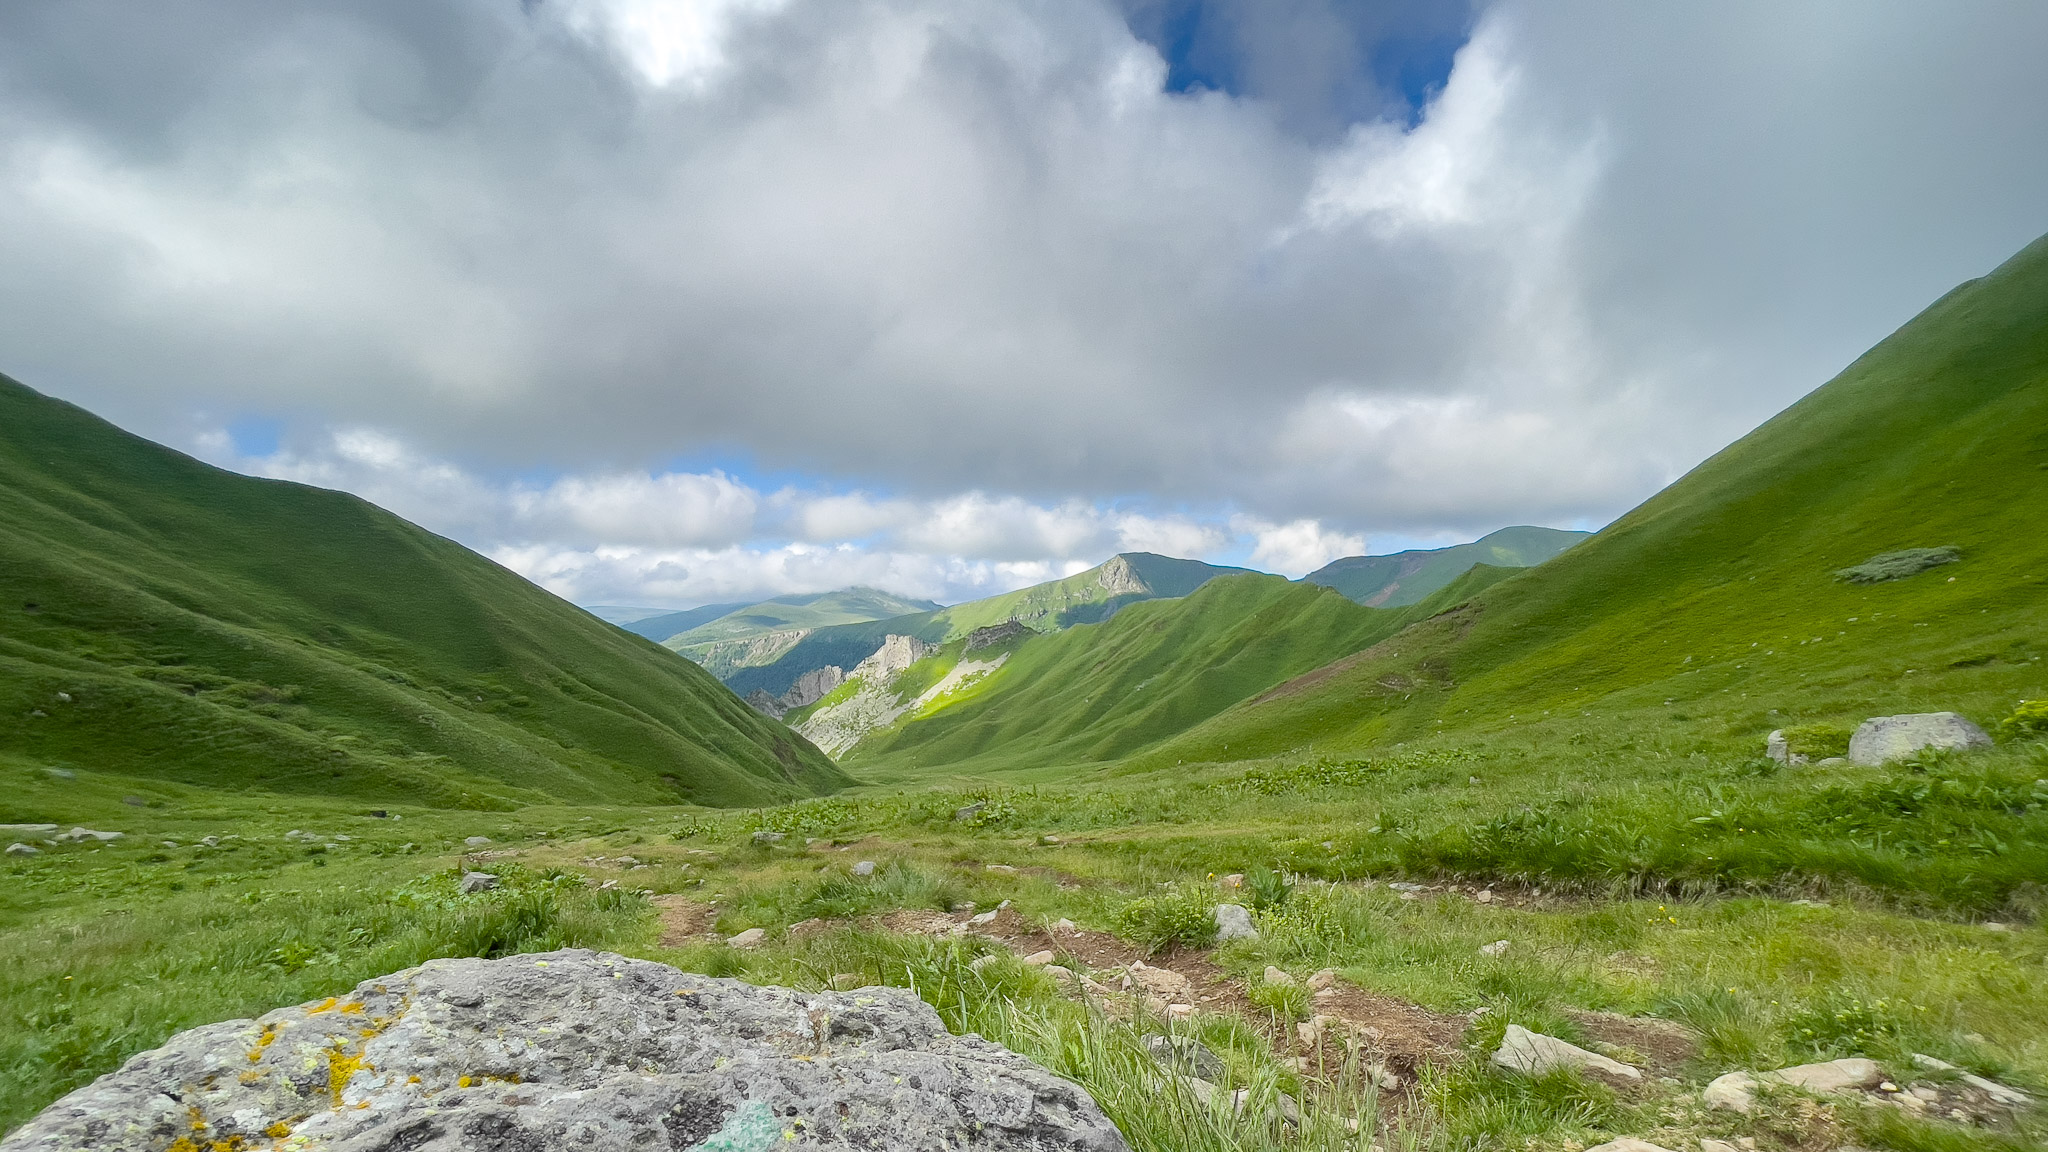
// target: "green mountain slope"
[[169, 619], [658, 625], [1403, 578], [1101, 692], [1717, 602], [1082, 598]]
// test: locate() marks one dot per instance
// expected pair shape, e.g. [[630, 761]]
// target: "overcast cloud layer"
[[669, 301]]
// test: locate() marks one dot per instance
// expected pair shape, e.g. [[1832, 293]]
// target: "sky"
[[666, 302]]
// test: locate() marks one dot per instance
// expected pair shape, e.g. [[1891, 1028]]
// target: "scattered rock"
[[969, 812], [1628, 1144], [1064, 927], [1159, 986], [1186, 1055], [477, 882], [1999, 1093], [864, 868], [1882, 739], [1485, 896], [26, 829], [1534, 1054], [58, 773], [1493, 949], [751, 938], [1777, 747], [1000, 869], [963, 906], [81, 835], [135, 801], [1730, 1092], [1233, 922], [1039, 958], [22, 850], [1405, 886], [580, 1049], [1232, 883], [1829, 1076], [1277, 976], [1323, 980], [766, 837]]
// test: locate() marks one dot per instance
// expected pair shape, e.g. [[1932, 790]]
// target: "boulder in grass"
[[1534, 1054], [577, 1049], [1234, 922], [1882, 739]]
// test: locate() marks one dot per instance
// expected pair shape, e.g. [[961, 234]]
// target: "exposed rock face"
[[577, 1049], [835, 730], [896, 654], [996, 634], [1882, 739], [809, 688], [722, 658], [1118, 578]]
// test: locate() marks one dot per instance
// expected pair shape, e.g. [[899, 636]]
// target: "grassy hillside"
[[1101, 692], [657, 624], [1716, 605], [816, 610], [168, 619], [1404, 578], [1082, 598]]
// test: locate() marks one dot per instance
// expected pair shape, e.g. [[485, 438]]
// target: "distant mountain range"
[[1404, 578]]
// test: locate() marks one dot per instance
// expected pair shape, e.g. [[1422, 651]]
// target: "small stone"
[[1179, 1011], [1234, 922], [751, 938], [1232, 882], [1485, 896], [168, 843], [962, 815], [864, 868], [476, 841], [1000, 869], [1534, 1054], [1064, 927], [1323, 980], [1039, 959], [1493, 949], [1628, 1144], [2003, 1094], [22, 850], [1829, 1076], [964, 906], [1716, 1146], [477, 882], [1410, 896], [1731, 1092], [64, 696], [1049, 841], [766, 837], [135, 801], [1887, 1086], [1278, 976], [210, 841], [981, 918], [1996, 926]]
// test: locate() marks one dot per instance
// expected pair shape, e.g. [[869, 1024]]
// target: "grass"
[[165, 618], [1405, 578]]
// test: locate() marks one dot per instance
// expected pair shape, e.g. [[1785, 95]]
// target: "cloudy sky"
[[672, 301]]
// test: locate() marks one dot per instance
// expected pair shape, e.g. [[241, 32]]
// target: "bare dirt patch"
[[1398, 1034], [683, 919], [1658, 1046]]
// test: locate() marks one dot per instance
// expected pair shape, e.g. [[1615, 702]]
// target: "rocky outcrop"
[[724, 657], [995, 634], [809, 688], [1882, 739], [875, 704], [1118, 578], [576, 1049], [1534, 1054]]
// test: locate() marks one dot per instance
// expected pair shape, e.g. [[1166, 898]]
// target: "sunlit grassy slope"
[[163, 618], [1099, 692], [1404, 578], [1715, 604], [1082, 598]]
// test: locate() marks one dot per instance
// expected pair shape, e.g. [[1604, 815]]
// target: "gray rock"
[[26, 829], [766, 837], [1534, 1054], [1777, 748], [962, 815], [751, 938], [22, 850], [578, 1049], [81, 835], [1731, 1092], [476, 841], [864, 868], [1234, 923], [1493, 949], [1829, 1076], [1882, 739], [477, 882], [2001, 1093], [1186, 1055]]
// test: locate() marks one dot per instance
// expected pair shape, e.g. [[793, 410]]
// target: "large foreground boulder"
[[1882, 739], [576, 1049]]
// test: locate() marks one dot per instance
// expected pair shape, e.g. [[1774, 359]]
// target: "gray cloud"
[[942, 251]]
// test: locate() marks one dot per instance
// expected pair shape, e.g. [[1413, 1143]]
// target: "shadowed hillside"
[[164, 618]]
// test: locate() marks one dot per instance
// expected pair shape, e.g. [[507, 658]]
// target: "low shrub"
[[1182, 917], [1898, 565], [2029, 719]]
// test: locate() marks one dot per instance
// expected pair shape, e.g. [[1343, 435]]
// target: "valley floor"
[[1686, 915]]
